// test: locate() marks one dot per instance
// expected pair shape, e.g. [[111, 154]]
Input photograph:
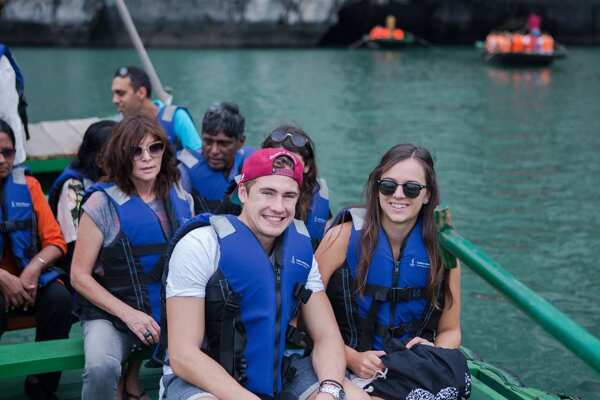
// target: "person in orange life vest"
[[31, 242]]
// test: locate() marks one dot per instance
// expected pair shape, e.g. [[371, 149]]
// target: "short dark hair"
[[5, 127], [224, 117], [117, 155], [138, 77], [94, 139]]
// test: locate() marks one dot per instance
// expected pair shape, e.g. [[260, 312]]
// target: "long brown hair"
[[307, 152], [370, 232], [117, 160]]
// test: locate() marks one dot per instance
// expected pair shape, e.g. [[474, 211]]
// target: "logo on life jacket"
[[299, 262], [20, 204], [419, 264]]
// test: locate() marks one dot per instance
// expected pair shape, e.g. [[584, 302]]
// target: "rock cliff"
[[264, 23]]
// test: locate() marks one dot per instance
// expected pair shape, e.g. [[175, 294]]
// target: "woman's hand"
[[15, 294], [143, 326], [365, 364], [418, 340]]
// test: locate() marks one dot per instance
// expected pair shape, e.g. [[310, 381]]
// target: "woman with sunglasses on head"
[[384, 260], [67, 191], [313, 204], [30, 243], [124, 231]]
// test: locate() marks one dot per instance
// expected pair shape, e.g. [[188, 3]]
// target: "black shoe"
[[35, 391]]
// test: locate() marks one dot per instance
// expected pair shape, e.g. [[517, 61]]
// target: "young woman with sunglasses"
[[384, 259], [67, 191], [313, 204], [124, 230], [30, 243]]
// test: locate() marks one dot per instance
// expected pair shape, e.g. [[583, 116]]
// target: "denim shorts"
[[301, 386]]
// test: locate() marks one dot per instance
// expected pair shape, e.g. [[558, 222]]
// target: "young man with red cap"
[[234, 285]]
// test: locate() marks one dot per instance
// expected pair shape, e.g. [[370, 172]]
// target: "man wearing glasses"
[[210, 175], [131, 94]]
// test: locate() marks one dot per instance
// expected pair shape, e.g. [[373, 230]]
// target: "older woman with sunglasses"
[[313, 204], [123, 233], [384, 259], [30, 243]]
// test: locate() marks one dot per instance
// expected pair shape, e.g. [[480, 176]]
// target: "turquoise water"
[[516, 154]]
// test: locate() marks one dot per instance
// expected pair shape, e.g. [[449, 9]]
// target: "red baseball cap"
[[260, 163]]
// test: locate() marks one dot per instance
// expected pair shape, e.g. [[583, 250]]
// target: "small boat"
[[388, 37], [516, 49], [524, 59]]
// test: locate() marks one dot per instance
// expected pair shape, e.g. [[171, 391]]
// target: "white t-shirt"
[[195, 259]]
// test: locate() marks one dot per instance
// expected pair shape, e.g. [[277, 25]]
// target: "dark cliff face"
[[279, 23]]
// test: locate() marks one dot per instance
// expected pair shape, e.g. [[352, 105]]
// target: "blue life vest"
[[319, 212], [19, 225], [57, 185], [251, 299], [210, 186], [133, 262], [395, 303], [166, 119]]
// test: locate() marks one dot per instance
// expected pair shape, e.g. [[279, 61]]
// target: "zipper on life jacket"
[[277, 271]]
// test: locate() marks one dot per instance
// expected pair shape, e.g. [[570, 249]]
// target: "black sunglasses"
[[297, 139], [7, 152], [155, 149], [387, 187]]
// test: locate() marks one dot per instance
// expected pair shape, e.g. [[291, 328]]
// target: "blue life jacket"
[[394, 305], [166, 119], [210, 186], [133, 262], [251, 299], [319, 212], [19, 225], [57, 185]]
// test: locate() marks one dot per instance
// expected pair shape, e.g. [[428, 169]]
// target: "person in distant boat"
[[66, 193], [313, 203], [131, 94], [210, 175], [388, 286], [534, 24], [235, 283], [123, 234], [30, 243]]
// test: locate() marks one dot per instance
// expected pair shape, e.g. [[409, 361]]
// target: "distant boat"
[[515, 49], [524, 59]]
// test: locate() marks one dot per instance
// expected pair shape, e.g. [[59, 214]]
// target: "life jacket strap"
[[137, 251], [231, 342], [13, 226], [395, 294]]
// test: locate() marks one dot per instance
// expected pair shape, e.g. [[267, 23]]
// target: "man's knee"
[[57, 297]]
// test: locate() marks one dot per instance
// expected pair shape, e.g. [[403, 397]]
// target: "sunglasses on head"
[[387, 187], [7, 152], [155, 150], [297, 139]]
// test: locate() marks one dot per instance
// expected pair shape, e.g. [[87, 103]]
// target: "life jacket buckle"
[[302, 293]]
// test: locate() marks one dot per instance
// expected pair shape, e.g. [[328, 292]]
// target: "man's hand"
[[29, 278], [15, 294], [366, 364]]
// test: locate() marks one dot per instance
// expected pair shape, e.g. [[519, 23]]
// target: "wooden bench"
[[21, 359]]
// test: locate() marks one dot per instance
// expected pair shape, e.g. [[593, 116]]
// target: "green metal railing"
[[582, 343]]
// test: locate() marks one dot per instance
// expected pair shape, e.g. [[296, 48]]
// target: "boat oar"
[[359, 43], [139, 47]]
